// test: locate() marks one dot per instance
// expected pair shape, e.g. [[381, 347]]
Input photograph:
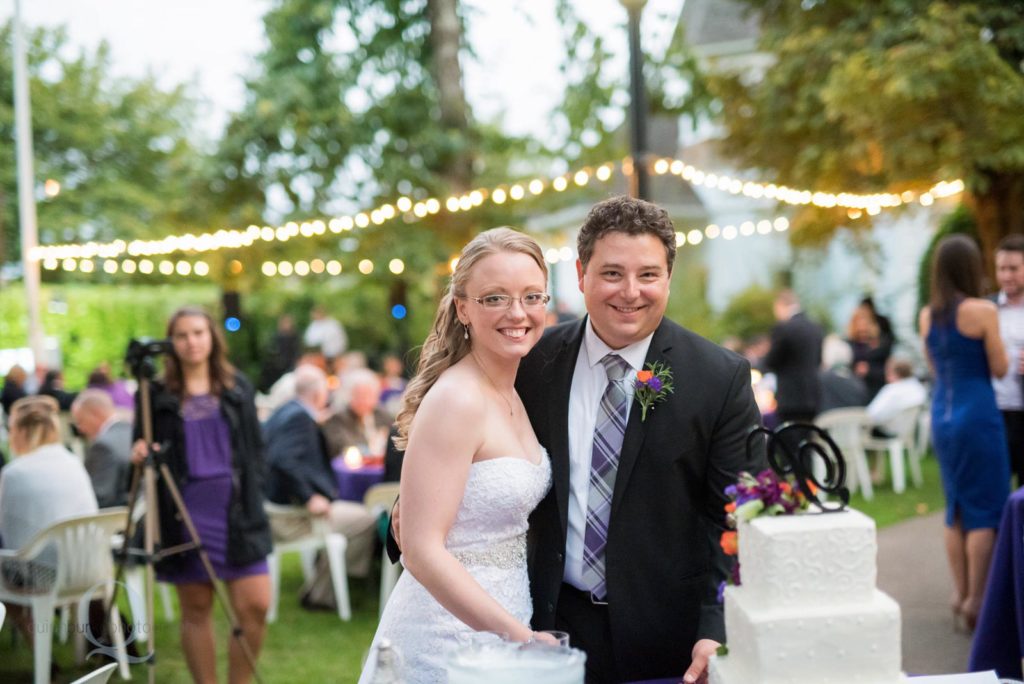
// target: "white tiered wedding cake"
[[808, 611]]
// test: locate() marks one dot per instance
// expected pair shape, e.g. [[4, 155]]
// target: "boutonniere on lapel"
[[651, 386]]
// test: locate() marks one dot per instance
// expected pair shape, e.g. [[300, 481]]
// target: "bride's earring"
[[465, 335]]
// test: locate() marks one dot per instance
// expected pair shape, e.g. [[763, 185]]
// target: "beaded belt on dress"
[[507, 554]]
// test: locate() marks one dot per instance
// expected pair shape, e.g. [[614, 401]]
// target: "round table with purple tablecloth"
[[353, 482], [999, 637]]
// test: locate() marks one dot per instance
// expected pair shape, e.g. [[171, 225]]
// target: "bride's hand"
[[544, 638]]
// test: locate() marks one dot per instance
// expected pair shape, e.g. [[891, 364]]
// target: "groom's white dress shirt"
[[589, 381]]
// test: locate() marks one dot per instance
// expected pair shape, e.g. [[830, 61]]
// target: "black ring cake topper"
[[794, 448]]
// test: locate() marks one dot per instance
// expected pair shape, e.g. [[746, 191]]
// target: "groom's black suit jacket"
[[663, 558]]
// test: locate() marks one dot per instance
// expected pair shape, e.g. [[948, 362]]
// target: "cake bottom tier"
[[854, 644]]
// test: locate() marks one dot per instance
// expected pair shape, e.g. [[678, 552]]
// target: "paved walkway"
[[912, 569]]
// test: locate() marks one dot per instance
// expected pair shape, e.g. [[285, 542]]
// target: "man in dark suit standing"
[[624, 550], [300, 474], [795, 357], [108, 456]]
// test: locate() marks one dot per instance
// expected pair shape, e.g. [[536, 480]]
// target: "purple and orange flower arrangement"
[[765, 494]]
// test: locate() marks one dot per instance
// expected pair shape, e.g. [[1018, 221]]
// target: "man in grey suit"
[[107, 458]]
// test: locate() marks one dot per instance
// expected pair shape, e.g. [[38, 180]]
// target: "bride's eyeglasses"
[[531, 300]]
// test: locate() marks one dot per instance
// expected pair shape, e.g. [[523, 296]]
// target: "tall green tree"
[[352, 104], [352, 101], [120, 148], [886, 96]]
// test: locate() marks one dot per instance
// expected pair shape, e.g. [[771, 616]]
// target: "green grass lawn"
[[316, 647], [888, 507]]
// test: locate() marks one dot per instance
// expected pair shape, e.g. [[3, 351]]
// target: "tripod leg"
[[152, 522], [119, 643], [135, 581], [132, 578]]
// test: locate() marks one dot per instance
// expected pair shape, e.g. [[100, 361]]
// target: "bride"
[[473, 468]]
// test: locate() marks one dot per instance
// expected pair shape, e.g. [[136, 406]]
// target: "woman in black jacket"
[[205, 419]]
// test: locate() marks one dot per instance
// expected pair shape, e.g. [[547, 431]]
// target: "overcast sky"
[[213, 42]]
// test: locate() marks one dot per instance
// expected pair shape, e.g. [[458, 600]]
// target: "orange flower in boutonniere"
[[652, 385]]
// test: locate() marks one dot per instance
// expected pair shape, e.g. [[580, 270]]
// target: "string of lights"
[[334, 267], [137, 256], [872, 204]]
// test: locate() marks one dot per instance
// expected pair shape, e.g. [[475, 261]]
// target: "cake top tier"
[[812, 522], [794, 560]]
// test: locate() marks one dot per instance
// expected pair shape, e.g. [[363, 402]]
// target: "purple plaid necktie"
[[604, 463]]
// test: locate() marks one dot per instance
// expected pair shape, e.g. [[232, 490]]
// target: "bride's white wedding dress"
[[489, 538]]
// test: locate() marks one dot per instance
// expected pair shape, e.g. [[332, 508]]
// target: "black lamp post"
[[637, 102]]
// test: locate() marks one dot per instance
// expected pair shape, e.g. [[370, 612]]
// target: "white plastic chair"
[[380, 499], [3, 614], [334, 545], [135, 581], [923, 438], [84, 567], [906, 423], [846, 427], [99, 676]]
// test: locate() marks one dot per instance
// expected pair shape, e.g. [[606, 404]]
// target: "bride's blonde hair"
[[447, 344]]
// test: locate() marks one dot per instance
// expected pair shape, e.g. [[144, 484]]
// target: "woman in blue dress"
[[961, 334]]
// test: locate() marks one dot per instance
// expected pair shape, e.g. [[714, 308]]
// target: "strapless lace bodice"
[[500, 495], [489, 538]]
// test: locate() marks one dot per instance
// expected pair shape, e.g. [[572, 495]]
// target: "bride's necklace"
[[487, 375]]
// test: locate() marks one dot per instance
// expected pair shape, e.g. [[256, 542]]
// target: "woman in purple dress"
[[205, 418]]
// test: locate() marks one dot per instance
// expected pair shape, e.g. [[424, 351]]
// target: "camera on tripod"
[[140, 354]]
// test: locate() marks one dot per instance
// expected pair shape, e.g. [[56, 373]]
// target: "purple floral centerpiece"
[[765, 494]]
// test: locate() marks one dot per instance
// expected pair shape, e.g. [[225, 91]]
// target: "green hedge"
[[94, 323]]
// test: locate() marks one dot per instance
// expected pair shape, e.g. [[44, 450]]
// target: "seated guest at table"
[[14, 388], [840, 387], [392, 384], [902, 391], [43, 484], [886, 411], [120, 393], [300, 474], [53, 386], [361, 422], [108, 456], [283, 390]]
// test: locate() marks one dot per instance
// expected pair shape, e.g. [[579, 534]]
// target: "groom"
[[624, 551]]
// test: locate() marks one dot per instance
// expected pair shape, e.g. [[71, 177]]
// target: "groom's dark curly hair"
[[627, 215]]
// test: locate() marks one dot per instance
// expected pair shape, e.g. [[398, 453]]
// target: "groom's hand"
[[698, 670]]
